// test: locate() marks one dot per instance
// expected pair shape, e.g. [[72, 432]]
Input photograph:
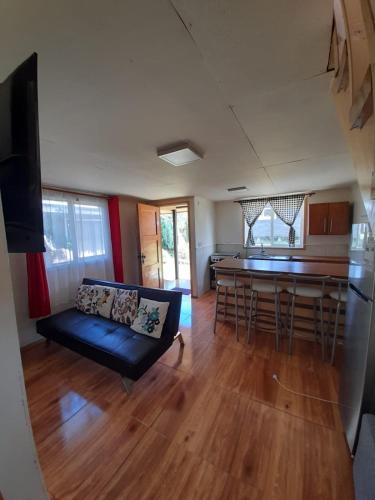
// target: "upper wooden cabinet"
[[329, 218], [338, 218], [318, 218]]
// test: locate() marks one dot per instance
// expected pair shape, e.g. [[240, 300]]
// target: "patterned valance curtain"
[[285, 207], [251, 211]]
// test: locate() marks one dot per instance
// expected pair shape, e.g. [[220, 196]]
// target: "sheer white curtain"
[[78, 243]]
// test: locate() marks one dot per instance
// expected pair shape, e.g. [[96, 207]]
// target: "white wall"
[[230, 236], [20, 476], [204, 214]]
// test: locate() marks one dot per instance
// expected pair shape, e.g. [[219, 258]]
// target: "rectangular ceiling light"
[[179, 155], [239, 188]]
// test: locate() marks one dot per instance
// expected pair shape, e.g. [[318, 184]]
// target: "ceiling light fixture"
[[178, 155], [238, 188]]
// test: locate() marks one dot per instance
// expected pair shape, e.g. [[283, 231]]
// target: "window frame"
[[303, 232]]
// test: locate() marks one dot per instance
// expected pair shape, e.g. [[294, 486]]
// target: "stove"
[[217, 257]]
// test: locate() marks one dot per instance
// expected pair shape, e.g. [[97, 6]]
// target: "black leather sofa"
[[112, 344]]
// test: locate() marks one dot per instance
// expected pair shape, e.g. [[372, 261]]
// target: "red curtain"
[[39, 304], [114, 222]]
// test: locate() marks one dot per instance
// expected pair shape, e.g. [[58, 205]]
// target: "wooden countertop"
[[334, 269], [312, 258]]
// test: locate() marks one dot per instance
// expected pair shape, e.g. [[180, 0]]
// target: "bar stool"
[[340, 296], [316, 293], [230, 282], [264, 283]]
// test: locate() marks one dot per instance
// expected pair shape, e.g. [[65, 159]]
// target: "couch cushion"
[[84, 298], [105, 341], [102, 300], [125, 305], [150, 318]]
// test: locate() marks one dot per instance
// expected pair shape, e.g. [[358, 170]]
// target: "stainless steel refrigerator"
[[357, 378]]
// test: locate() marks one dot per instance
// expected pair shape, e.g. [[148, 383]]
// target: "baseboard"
[[27, 347]]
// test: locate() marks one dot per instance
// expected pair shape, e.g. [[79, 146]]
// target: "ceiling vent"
[[179, 155], [238, 188]]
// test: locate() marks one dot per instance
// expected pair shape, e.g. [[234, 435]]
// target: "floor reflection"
[[185, 316], [70, 403]]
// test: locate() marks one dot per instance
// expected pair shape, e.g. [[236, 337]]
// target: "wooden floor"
[[207, 422]]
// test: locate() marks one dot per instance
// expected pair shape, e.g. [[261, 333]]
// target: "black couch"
[[112, 344]]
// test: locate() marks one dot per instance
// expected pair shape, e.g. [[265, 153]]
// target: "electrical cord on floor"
[[276, 378]]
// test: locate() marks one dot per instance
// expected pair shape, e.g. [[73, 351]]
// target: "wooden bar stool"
[[266, 283], [229, 282], [340, 296], [316, 293]]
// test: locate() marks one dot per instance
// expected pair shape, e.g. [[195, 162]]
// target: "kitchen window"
[[359, 236], [270, 231]]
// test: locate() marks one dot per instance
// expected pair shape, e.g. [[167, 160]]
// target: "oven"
[[217, 257]]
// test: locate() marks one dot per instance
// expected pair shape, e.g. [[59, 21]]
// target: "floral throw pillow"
[[150, 317], [102, 300], [125, 304], [84, 297]]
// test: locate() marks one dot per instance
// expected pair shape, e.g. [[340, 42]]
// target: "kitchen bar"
[[333, 269], [304, 318]]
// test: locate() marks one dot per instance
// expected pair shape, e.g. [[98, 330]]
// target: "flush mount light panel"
[[238, 188], [179, 155]]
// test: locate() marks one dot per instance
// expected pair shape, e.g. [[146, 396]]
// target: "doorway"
[[174, 222]]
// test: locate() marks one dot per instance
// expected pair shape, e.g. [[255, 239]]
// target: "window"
[[78, 243], [359, 236], [74, 230], [270, 231]]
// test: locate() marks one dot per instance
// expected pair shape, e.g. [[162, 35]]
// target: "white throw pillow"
[[102, 300], [84, 298], [125, 305], [150, 317]]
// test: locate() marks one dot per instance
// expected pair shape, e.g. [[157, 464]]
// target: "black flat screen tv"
[[20, 179]]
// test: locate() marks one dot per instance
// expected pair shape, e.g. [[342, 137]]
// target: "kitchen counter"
[[299, 258], [304, 316], [334, 269], [313, 258]]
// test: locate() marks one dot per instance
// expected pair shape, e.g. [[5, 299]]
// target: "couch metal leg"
[[180, 338], [128, 384]]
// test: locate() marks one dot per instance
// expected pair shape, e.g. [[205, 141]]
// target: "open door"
[[175, 246], [150, 246]]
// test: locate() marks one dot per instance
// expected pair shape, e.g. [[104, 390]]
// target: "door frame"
[[175, 242], [189, 200]]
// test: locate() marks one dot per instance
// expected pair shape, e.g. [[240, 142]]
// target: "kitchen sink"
[[269, 257]]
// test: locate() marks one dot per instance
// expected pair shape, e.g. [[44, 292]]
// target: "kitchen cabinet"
[[318, 218], [329, 218]]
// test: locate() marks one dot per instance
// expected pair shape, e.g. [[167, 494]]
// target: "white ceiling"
[[243, 81]]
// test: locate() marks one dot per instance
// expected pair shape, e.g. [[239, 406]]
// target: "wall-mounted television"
[[20, 179]]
